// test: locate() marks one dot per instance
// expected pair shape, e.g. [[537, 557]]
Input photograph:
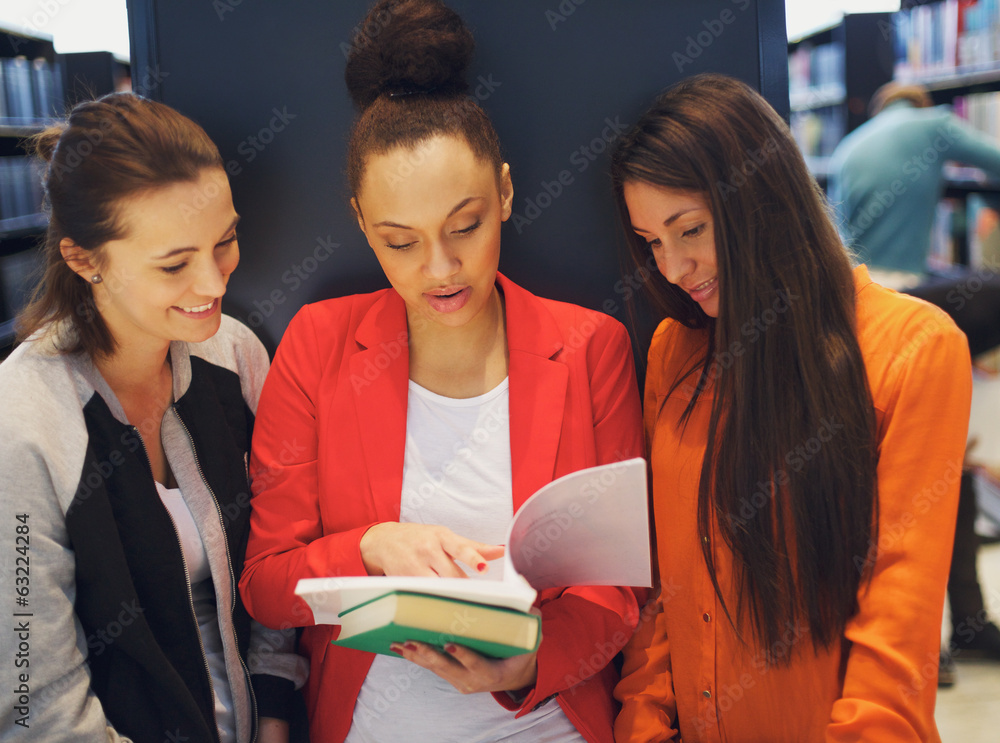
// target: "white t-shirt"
[[203, 598], [456, 473]]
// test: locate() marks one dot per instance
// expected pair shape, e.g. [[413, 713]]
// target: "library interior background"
[[835, 62]]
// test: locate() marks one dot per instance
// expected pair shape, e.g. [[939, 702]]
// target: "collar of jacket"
[[538, 382]]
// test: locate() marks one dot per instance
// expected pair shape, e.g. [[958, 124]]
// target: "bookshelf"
[[951, 48], [35, 86], [30, 97], [832, 74], [87, 75]]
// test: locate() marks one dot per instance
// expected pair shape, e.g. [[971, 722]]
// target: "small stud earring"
[[96, 279]]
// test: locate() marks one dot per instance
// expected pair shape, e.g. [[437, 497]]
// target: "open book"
[[590, 527]]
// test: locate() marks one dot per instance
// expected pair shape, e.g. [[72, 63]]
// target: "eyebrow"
[[191, 249], [670, 220], [457, 208]]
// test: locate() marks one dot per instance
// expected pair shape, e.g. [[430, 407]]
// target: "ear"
[[506, 193], [79, 260]]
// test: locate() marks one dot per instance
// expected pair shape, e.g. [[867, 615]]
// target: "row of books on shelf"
[[976, 220], [981, 110], [29, 90], [20, 187], [19, 272], [816, 68], [818, 131], [947, 37]]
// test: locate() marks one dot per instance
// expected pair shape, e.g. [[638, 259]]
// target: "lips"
[[703, 291], [449, 298]]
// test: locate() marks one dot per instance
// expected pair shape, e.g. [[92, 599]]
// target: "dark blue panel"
[[558, 78]]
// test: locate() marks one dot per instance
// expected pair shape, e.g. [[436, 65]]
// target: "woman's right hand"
[[392, 548]]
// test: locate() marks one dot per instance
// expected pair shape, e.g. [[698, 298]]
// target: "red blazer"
[[327, 464]]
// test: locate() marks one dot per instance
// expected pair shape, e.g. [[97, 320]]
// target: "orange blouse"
[[686, 675]]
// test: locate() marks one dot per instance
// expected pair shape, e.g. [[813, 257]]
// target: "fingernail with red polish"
[[396, 648], [481, 567], [451, 648], [409, 646]]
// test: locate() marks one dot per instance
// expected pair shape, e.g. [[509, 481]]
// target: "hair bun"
[[408, 46]]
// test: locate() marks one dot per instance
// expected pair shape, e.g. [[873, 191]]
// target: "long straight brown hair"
[[789, 473]]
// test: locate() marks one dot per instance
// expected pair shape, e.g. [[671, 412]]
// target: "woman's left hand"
[[470, 672]]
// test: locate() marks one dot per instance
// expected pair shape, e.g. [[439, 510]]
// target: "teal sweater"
[[886, 178]]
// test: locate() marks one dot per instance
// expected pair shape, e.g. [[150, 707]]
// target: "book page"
[[328, 597], [590, 527]]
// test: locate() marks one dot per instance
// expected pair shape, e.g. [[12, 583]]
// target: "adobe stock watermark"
[[562, 12], [292, 452], [740, 174], [933, 327], [98, 641], [175, 736], [75, 155], [728, 696], [921, 504], [361, 37], [714, 28], [913, 169], [292, 279], [114, 282], [752, 330], [45, 11], [925, 675], [581, 159], [605, 651], [495, 419], [208, 190], [97, 472], [150, 80], [223, 7], [253, 145], [417, 155], [971, 285], [795, 460], [559, 522]]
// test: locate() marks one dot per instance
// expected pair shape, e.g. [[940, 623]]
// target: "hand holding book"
[[469, 671]]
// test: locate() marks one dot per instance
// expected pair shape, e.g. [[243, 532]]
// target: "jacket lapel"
[[380, 372], [380, 377], [537, 390]]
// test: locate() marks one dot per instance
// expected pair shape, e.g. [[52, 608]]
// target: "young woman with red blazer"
[[341, 440]]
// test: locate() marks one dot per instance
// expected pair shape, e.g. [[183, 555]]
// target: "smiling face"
[[164, 279], [678, 227], [432, 215]]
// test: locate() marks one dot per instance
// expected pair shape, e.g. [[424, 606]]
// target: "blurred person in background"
[[886, 178]]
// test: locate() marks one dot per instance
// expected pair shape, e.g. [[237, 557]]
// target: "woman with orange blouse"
[[805, 429]]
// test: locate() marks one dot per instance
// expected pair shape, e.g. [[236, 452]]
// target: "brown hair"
[[108, 150], [893, 91], [794, 548], [406, 74]]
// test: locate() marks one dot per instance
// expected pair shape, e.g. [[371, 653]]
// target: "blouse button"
[[707, 617], [707, 694]]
